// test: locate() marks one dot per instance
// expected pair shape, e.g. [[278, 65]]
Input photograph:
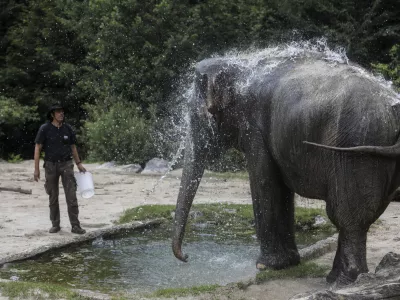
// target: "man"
[[57, 139]]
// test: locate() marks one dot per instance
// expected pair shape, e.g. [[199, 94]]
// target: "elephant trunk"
[[194, 164]]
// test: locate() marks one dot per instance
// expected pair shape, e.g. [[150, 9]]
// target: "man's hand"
[[36, 175], [81, 168]]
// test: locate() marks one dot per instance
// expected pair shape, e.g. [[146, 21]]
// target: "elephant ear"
[[220, 92]]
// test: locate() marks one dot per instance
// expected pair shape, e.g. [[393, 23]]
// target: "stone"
[[107, 165], [156, 166], [318, 221], [194, 214], [383, 284], [132, 168]]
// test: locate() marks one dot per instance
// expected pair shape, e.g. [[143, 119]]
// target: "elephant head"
[[214, 94]]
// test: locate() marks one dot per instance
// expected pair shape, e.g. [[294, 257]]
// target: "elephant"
[[324, 130]]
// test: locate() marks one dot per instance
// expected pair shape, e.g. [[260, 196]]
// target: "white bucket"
[[85, 184]]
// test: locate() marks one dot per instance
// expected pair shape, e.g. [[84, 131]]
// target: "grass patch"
[[305, 217], [306, 269], [147, 212], [229, 221], [234, 216], [30, 290], [182, 292]]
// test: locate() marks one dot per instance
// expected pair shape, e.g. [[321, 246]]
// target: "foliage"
[[391, 70], [39, 42], [120, 133], [14, 114], [104, 52], [14, 118], [304, 269], [15, 158]]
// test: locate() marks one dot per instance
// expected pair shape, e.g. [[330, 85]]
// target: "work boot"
[[76, 229], [55, 229]]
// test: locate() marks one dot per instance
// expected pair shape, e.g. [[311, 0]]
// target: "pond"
[[142, 261]]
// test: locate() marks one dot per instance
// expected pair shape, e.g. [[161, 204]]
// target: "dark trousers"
[[53, 171]]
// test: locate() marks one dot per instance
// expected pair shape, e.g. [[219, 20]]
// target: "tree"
[[40, 57]]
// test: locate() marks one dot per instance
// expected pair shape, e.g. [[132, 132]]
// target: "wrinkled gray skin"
[[310, 128]]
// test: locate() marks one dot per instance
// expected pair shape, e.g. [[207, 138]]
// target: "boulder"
[[107, 165], [319, 221], [156, 166], [132, 168], [383, 284]]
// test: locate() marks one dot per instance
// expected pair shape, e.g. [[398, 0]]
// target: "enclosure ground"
[[24, 218]]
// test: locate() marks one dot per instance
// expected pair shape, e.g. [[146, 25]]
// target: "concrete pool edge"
[[79, 239], [319, 248]]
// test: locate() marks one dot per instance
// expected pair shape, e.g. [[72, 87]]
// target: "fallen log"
[[17, 190]]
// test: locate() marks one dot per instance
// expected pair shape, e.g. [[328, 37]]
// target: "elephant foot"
[[344, 276], [278, 261], [333, 274]]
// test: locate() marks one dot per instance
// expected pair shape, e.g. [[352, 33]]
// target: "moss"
[[147, 212], [181, 292], [306, 216], [305, 269], [24, 290], [238, 217]]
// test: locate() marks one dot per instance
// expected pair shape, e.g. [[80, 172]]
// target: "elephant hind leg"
[[357, 196], [350, 259]]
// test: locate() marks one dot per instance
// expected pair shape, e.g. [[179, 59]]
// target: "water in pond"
[[143, 262]]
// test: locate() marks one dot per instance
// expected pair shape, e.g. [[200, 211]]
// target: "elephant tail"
[[383, 151]]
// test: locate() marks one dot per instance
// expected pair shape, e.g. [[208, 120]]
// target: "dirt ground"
[[24, 218]]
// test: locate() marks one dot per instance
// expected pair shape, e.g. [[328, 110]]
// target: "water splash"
[[175, 128], [174, 160], [254, 62]]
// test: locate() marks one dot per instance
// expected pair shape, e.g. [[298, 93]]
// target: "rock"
[[132, 168], [107, 165], [206, 225], [389, 265], [319, 220], [194, 214], [383, 284], [200, 225], [156, 166]]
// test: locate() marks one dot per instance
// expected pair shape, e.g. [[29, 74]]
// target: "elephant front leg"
[[273, 206]]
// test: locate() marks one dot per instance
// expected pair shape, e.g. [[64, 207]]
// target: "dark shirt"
[[56, 141]]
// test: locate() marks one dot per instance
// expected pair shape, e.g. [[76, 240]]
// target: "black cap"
[[52, 108]]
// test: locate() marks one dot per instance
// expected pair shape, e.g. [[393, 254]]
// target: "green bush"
[[14, 158], [119, 133], [391, 71]]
